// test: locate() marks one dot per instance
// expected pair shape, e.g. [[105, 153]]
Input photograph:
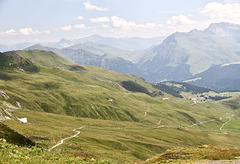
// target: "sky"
[[43, 21]]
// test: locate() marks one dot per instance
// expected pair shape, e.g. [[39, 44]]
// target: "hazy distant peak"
[[35, 46], [63, 40], [223, 29], [97, 36], [195, 31], [88, 43], [171, 39]]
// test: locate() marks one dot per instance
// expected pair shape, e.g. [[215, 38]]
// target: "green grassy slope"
[[75, 90], [45, 58], [132, 125], [11, 60], [122, 141], [12, 136], [197, 155]]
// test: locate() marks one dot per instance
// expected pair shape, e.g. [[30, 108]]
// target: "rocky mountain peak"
[[223, 29]]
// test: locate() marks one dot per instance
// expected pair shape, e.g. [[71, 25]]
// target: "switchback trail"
[[226, 122], [61, 142], [214, 120]]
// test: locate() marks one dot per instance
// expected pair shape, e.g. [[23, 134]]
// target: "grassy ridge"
[[118, 140], [13, 137], [193, 155], [83, 91], [124, 125]]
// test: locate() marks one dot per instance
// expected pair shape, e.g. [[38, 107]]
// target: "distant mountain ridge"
[[100, 49], [96, 55], [180, 56], [225, 77], [183, 55], [125, 43], [129, 44]]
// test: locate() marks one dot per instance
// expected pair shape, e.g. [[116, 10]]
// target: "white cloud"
[[105, 26], [218, 12], [72, 27], [212, 13], [118, 22], [89, 6], [9, 32], [46, 32], [100, 20], [122, 23], [232, 1], [66, 28], [150, 25], [29, 31], [180, 20], [24, 31], [183, 23], [80, 26], [79, 18]]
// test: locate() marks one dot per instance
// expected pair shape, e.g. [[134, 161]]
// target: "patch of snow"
[[19, 105], [22, 69], [198, 78], [7, 118], [23, 120], [228, 64], [165, 98]]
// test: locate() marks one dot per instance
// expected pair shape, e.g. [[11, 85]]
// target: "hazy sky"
[[51, 20]]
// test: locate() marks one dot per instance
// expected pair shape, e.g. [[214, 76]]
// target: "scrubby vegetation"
[[202, 153], [134, 87], [14, 154]]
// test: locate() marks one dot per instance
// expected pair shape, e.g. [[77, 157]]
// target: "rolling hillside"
[[123, 117], [52, 88], [97, 55]]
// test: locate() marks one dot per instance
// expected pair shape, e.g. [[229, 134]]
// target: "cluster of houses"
[[205, 97]]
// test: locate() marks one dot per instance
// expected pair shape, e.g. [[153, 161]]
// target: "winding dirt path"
[[203, 122], [226, 122], [214, 120], [61, 142]]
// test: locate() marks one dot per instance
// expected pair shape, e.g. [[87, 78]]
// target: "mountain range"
[[97, 55], [129, 44], [181, 56], [225, 77]]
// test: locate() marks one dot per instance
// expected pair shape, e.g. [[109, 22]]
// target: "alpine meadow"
[[112, 82]]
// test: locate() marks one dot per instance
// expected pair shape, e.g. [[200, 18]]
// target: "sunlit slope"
[[76, 90], [93, 92], [124, 117]]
